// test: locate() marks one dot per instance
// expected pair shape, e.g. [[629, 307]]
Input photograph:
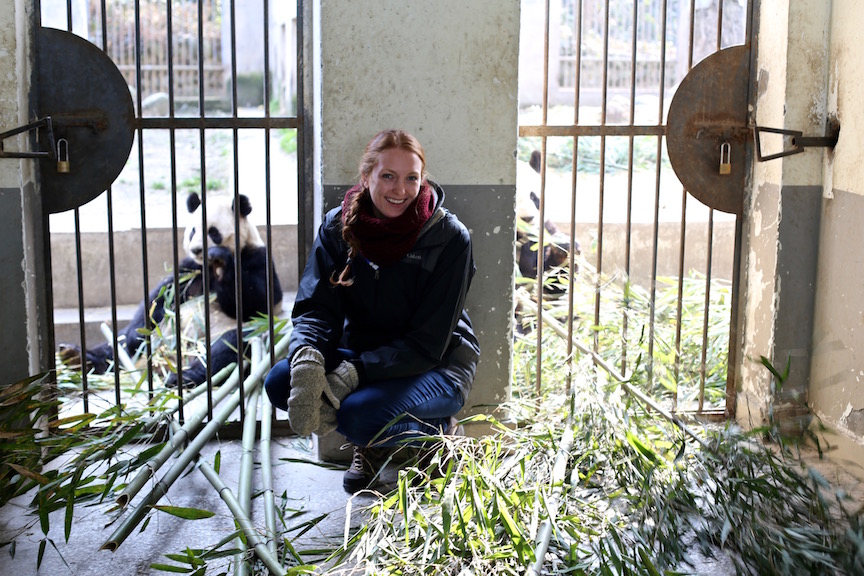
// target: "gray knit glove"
[[340, 383], [308, 381]]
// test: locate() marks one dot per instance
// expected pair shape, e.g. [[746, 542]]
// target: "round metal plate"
[[90, 106], [709, 108]]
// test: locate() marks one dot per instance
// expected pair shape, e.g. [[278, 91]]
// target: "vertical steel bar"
[[709, 258], [80, 270], [601, 192], [112, 269], [683, 235], [175, 252], [629, 226], [658, 171], [235, 134], [79, 267], [577, 85], [202, 145], [733, 351], [267, 187], [542, 228], [145, 271]]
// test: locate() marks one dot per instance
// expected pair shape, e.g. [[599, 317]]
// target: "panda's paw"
[[189, 379], [219, 258], [69, 354]]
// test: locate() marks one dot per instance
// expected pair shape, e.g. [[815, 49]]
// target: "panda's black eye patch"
[[215, 235]]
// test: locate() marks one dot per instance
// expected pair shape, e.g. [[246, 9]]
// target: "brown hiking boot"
[[365, 465]]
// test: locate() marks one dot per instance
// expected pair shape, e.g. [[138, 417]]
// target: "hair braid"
[[351, 211]]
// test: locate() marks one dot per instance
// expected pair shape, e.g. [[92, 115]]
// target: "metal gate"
[[217, 87], [652, 291]]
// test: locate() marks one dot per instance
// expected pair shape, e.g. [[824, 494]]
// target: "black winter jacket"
[[404, 319]]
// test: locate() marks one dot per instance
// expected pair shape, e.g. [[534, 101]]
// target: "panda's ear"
[[192, 202], [534, 162], [245, 205]]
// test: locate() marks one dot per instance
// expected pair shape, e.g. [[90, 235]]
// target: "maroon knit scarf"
[[385, 241]]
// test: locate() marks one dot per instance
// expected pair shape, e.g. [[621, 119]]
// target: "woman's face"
[[394, 182]]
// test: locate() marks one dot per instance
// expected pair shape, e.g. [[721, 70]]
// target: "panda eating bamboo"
[[221, 246]]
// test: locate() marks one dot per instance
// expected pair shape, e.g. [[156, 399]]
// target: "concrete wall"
[[447, 72], [803, 267], [25, 338], [782, 216], [837, 369]]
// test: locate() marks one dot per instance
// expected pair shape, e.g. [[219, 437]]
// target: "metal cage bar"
[[595, 16]]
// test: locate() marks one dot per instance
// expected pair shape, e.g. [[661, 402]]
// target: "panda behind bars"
[[220, 258]]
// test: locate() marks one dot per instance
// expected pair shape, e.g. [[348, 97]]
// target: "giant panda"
[[220, 233], [556, 253]]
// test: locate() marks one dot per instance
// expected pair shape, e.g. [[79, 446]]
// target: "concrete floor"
[[310, 491]]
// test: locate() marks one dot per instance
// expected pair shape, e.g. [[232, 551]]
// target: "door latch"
[[796, 140]]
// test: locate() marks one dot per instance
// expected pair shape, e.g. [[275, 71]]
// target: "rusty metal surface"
[[91, 107], [708, 109]]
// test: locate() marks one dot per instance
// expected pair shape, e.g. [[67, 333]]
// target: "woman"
[[382, 349]]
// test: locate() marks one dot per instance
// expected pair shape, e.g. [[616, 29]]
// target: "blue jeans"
[[386, 412]]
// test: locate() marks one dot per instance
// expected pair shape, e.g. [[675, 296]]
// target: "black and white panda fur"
[[220, 231], [556, 254]]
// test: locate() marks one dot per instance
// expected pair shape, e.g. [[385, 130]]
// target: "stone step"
[[67, 323]]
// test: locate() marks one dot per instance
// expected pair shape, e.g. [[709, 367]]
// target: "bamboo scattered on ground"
[[559, 471], [179, 437], [191, 452], [243, 520]]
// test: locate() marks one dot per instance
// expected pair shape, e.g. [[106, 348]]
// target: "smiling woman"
[[382, 349]]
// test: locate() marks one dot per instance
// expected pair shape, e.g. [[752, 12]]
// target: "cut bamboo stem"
[[559, 470], [267, 471], [244, 484], [193, 450], [243, 520]]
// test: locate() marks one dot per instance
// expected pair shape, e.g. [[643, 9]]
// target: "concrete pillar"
[[24, 340], [782, 210], [446, 72], [837, 370]]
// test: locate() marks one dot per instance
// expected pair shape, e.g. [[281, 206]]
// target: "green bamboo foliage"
[[640, 495]]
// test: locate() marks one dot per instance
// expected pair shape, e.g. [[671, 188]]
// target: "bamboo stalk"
[[250, 422], [147, 472], [242, 519], [267, 471], [217, 380], [194, 449], [181, 435], [244, 484], [544, 534]]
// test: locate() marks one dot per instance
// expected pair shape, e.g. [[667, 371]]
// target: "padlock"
[[63, 156], [725, 159]]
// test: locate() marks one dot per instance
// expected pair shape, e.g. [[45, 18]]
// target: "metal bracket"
[[35, 125], [796, 140]]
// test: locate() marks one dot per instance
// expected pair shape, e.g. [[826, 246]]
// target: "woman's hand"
[[308, 381]]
